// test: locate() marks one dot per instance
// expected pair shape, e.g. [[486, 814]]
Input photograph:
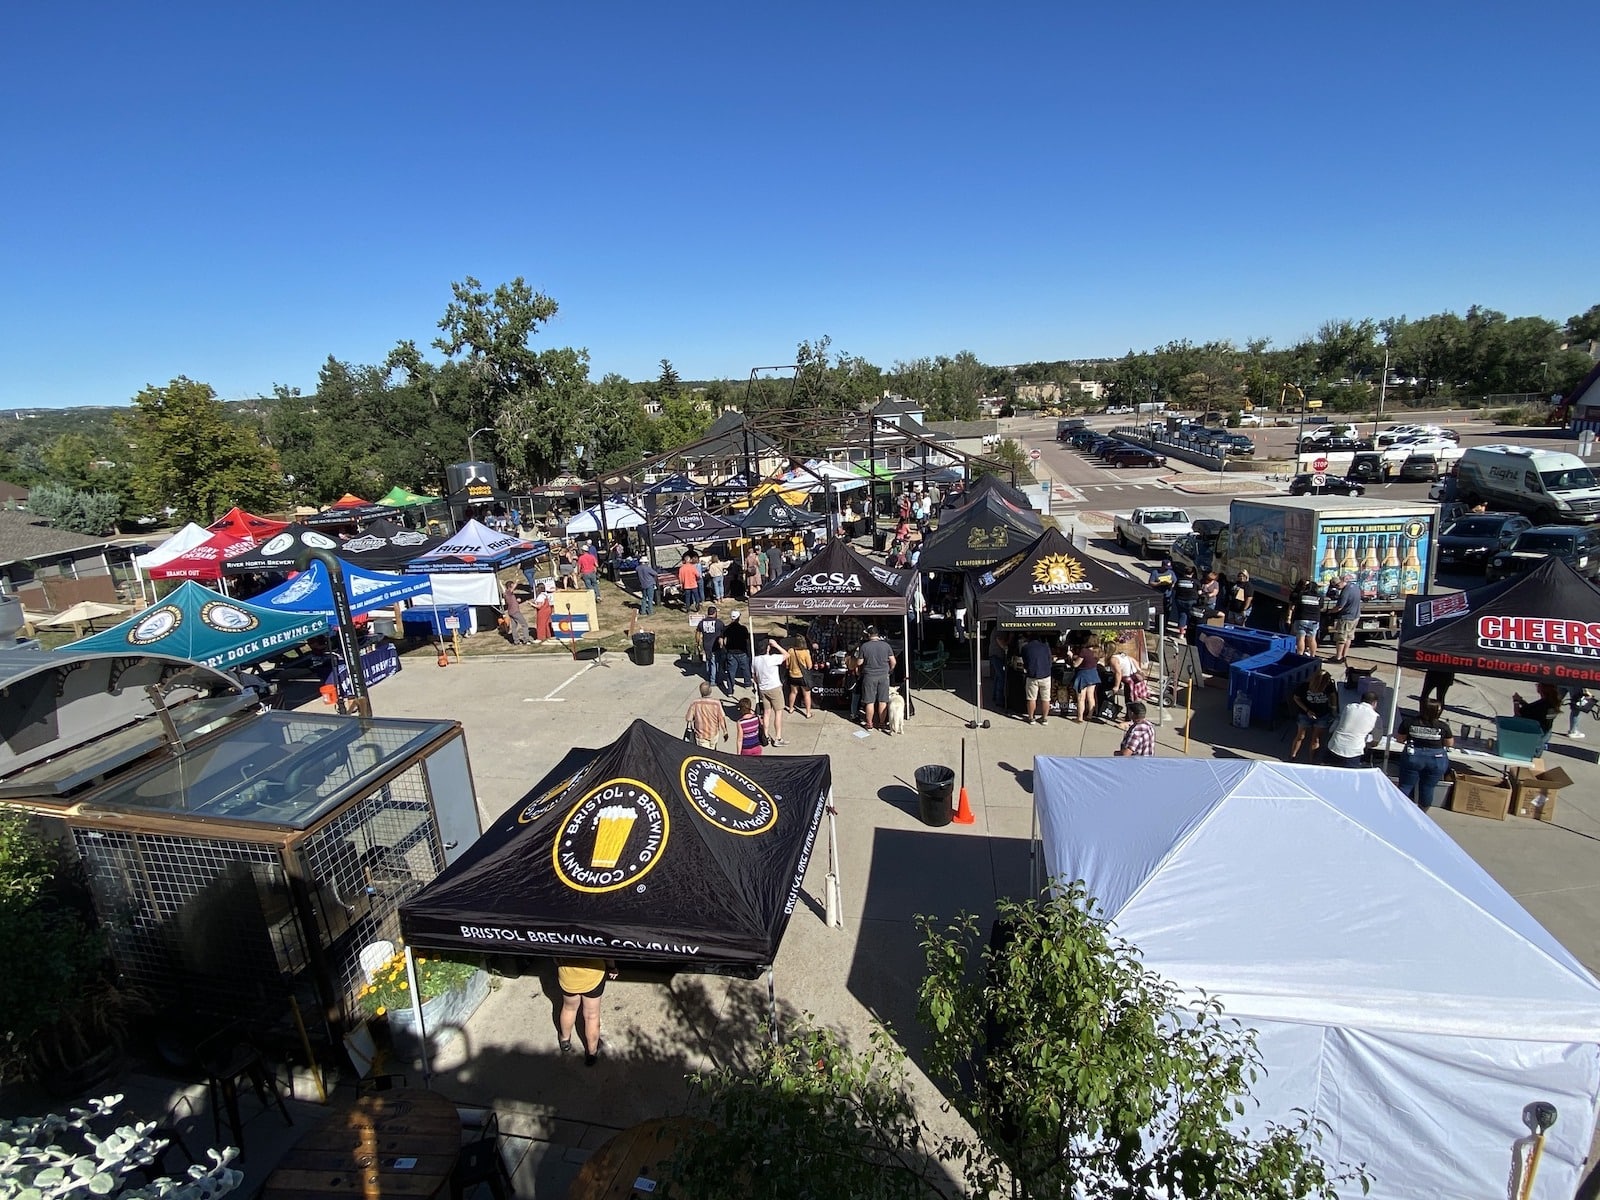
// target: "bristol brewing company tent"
[[1397, 991], [650, 851], [690, 525]]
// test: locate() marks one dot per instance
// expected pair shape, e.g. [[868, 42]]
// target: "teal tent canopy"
[[198, 624]]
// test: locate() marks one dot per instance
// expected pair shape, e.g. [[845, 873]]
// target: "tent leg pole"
[[1394, 706], [1033, 850], [833, 897], [772, 1005], [1161, 666], [905, 640], [416, 1013]]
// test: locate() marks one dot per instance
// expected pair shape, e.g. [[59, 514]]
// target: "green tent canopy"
[[399, 497]]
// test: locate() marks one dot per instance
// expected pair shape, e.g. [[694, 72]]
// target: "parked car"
[[1333, 485], [1339, 442], [1578, 546], [1418, 467], [1236, 443], [1370, 467], [1134, 456], [1471, 542]]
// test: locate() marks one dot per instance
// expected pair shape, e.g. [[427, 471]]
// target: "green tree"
[[1082, 1072], [189, 455], [1585, 326], [92, 513], [1012, 457]]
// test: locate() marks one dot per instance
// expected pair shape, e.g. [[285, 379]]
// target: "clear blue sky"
[[233, 192]]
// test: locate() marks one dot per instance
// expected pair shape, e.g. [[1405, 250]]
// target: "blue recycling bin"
[[1268, 680], [1223, 645]]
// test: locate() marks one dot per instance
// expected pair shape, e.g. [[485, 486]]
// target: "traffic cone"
[[963, 810]]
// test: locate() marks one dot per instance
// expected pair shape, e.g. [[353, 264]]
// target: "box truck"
[[1388, 547]]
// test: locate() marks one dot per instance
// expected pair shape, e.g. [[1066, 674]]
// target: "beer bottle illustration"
[[1411, 570], [1389, 574], [1369, 569], [1330, 564], [1348, 564]]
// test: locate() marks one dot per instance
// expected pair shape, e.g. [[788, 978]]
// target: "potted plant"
[[451, 992]]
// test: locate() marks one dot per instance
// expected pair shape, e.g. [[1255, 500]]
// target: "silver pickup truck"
[[1152, 530]]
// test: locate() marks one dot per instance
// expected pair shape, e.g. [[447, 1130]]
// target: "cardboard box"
[[1480, 796], [1533, 792]]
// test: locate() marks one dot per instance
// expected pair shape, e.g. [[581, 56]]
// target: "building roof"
[[12, 493], [23, 536]]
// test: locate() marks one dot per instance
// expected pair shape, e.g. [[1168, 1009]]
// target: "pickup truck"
[[1152, 529]]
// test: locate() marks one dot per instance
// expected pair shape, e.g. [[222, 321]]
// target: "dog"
[[897, 713]]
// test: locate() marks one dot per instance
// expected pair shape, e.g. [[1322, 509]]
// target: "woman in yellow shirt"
[[583, 981], [797, 666]]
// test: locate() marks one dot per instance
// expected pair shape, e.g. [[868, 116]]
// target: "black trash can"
[[936, 787], [644, 648], [880, 540]]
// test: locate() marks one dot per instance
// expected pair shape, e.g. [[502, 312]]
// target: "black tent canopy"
[[771, 514], [382, 546], [688, 524], [986, 485], [650, 850], [837, 580], [976, 535], [1052, 585], [1542, 626]]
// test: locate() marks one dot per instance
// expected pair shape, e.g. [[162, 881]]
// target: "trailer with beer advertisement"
[[1281, 540]]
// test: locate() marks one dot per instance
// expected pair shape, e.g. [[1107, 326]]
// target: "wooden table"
[[632, 1154], [401, 1143]]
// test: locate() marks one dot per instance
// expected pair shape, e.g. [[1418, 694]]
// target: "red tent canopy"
[[246, 525], [205, 560], [349, 500]]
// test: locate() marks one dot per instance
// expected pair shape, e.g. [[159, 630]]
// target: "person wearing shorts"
[[768, 671], [1036, 665], [1307, 617], [1346, 615], [583, 982], [1086, 682], [1316, 704], [877, 664]]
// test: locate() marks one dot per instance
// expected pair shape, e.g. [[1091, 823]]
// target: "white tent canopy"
[[1398, 991], [840, 477], [186, 539], [619, 515]]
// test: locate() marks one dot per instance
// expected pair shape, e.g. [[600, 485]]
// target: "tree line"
[[178, 450]]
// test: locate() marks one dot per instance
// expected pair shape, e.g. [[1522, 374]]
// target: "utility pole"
[[1383, 391]]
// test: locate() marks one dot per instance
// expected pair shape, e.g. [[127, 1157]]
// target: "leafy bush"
[[390, 989]]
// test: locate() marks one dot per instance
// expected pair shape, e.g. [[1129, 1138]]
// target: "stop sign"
[[1319, 465], [1033, 454]]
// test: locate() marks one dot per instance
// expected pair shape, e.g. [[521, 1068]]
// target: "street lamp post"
[[1383, 391], [471, 456]]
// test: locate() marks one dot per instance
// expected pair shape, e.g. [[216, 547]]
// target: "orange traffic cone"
[[444, 659], [963, 810]]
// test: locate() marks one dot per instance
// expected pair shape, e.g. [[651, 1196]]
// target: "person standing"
[[714, 575], [1346, 616], [798, 667], [768, 671], [1577, 705], [1437, 683], [516, 622], [1211, 593], [1185, 593], [582, 982], [1086, 680], [647, 588], [877, 664], [710, 628], [1241, 599], [543, 605], [999, 655], [1543, 709], [1427, 740], [764, 560], [705, 719], [589, 571], [1037, 664], [749, 727], [736, 651], [1307, 617], [1162, 577], [1353, 731], [1316, 703], [1140, 740], [752, 571], [689, 580]]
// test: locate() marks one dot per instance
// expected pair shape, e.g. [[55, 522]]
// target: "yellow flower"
[[380, 1012], [403, 985]]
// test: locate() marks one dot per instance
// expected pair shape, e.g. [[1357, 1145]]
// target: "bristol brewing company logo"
[[613, 837], [547, 799], [727, 797], [1057, 573]]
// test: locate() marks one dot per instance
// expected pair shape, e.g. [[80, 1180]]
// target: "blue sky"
[[234, 192]]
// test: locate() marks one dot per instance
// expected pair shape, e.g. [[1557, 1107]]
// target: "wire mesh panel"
[[208, 920], [361, 865]]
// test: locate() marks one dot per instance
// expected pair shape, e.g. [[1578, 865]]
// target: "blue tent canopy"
[[673, 484], [205, 627], [311, 591]]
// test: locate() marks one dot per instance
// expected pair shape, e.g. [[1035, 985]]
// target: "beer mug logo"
[[548, 798], [727, 797], [611, 838]]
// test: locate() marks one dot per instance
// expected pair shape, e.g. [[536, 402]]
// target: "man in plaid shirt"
[[1141, 736]]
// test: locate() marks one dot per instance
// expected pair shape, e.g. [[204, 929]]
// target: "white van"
[[1545, 484]]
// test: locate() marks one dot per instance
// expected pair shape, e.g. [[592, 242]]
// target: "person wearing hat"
[[736, 653], [1346, 615], [1241, 598]]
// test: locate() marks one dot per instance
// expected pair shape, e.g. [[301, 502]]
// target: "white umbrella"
[[84, 612], [619, 515]]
